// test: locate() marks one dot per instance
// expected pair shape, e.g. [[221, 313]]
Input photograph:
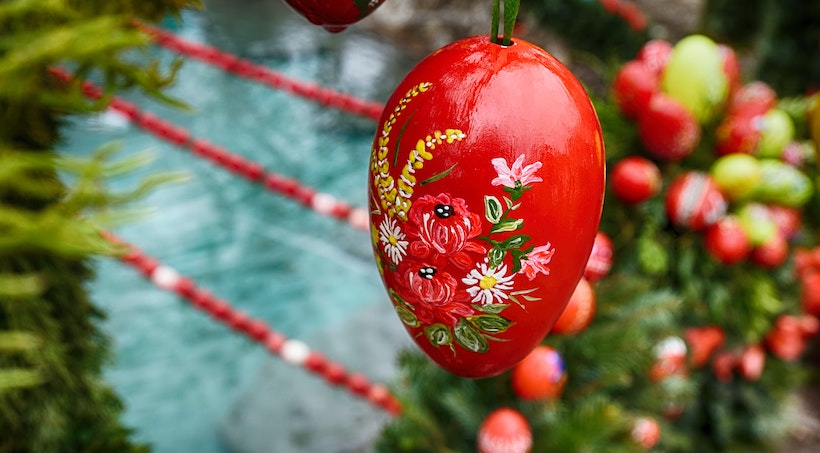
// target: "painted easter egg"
[[334, 15], [486, 186]]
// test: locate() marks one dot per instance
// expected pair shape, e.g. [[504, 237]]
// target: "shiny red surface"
[[334, 15], [507, 101]]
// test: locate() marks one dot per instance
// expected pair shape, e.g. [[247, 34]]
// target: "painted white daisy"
[[486, 285], [392, 239]]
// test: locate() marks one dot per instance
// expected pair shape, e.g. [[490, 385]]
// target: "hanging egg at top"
[[486, 186], [334, 15]]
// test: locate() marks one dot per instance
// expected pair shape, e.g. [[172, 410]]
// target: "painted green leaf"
[[469, 338], [507, 225], [438, 176], [407, 316], [490, 308], [496, 257], [490, 323], [514, 242], [438, 334], [492, 209]]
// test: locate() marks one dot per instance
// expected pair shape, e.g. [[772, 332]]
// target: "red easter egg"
[[334, 15], [635, 179], [810, 293], [752, 361], [633, 87], [703, 342], [738, 134], [486, 187], [579, 311], [654, 54], [786, 340], [667, 129], [752, 99], [670, 355], [727, 241], [787, 219], [771, 253], [540, 376], [724, 364], [646, 432], [694, 201], [505, 430], [600, 259], [731, 66]]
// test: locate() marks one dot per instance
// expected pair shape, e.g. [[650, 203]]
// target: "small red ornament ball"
[[633, 88], [600, 259], [670, 355], [694, 201], [540, 376], [703, 342], [810, 294], [771, 253], [787, 340], [635, 180], [579, 311], [752, 361], [667, 130], [646, 432], [727, 241], [505, 430]]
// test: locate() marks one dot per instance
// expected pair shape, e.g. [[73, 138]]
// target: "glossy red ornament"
[[486, 187], [694, 201], [670, 355], [633, 88], [654, 54], [724, 364], [787, 340], [334, 15], [505, 430], [810, 293], [635, 179], [727, 241], [703, 342], [738, 134], [772, 253], [540, 376], [752, 361], [579, 311], [600, 259], [646, 432], [752, 99], [667, 130]]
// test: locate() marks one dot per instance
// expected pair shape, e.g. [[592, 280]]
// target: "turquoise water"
[[177, 370]]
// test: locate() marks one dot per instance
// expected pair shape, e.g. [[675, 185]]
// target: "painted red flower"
[[434, 294], [445, 229]]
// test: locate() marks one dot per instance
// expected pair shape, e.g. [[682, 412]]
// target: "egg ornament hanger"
[[486, 186]]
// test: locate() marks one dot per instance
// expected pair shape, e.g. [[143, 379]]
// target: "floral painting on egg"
[[457, 268]]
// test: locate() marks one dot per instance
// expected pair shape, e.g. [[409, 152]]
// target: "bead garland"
[[321, 203], [293, 352], [247, 69], [628, 11]]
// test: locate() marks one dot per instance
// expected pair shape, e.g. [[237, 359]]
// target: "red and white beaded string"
[[264, 75], [292, 351], [320, 202]]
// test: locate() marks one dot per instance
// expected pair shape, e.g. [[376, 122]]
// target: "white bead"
[[295, 352], [165, 277], [323, 203]]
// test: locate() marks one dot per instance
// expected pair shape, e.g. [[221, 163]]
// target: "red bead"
[[185, 287], [358, 384], [274, 342], [220, 310], [316, 362], [128, 109], [238, 320], [335, 373]]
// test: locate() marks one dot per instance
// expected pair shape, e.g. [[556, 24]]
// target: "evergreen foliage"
[[52, 396]]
